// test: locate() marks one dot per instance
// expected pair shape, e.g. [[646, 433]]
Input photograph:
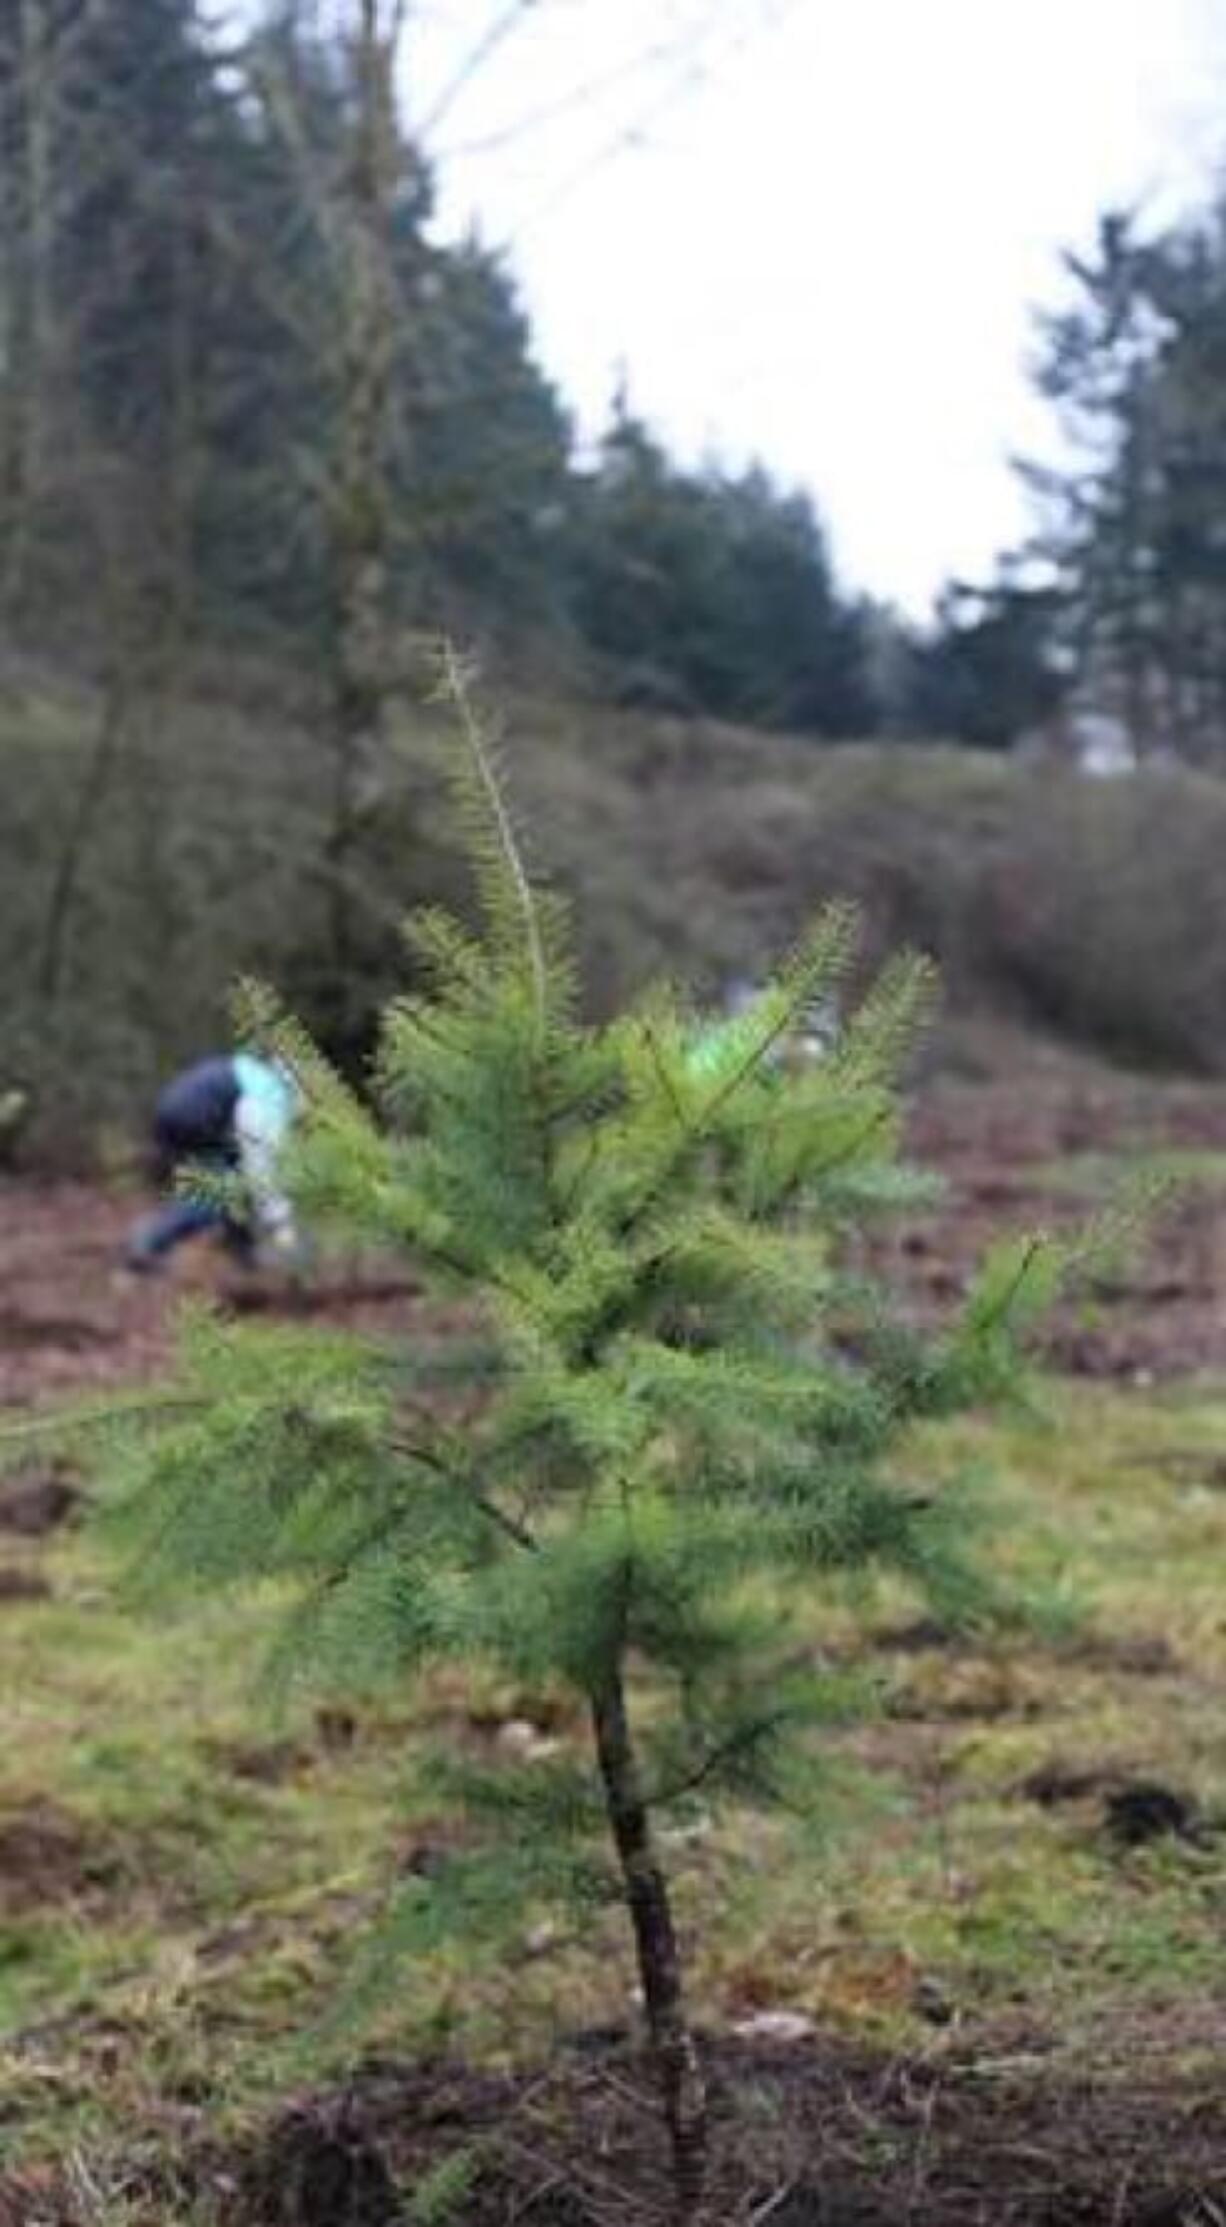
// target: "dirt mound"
[[1145, 1810], [336, 1295], [1133, 1811], [810, 2135], [320, 2169], [35, 2199], [46, 1857], [76, 1333], [36, 1501], [19, 1585]]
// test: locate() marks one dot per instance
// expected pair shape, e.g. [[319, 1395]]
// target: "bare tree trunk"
[[677, 2068], [31, 314], [183, 463], [360, 499], [53, 949]]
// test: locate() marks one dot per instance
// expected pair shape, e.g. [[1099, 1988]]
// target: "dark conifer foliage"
[[180, 231]]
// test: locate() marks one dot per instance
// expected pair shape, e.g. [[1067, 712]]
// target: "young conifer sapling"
[[688, 1415]]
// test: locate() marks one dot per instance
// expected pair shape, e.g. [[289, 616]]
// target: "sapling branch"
[[429, 1459], [743, 1741]]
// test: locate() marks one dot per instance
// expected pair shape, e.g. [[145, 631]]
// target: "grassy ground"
[[182, 1880], [1012, 1996]]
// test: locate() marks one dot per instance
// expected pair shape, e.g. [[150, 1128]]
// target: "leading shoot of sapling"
[[688, 1407]]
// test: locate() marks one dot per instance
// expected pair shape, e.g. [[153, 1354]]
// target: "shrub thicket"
[[1081, 905]]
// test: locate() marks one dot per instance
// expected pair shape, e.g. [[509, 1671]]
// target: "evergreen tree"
[[708, 593], [116, 137], [792, 651], [688, 1415], [241, 378], [484, 481], [1137, 368], [989, 669], [182, 296]]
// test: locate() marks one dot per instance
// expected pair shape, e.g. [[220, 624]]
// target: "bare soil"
[[72, 1318], [818, 2134], [46, 1858], [1006, 1150]]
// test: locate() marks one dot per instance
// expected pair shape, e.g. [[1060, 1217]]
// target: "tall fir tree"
[[1132, 524]]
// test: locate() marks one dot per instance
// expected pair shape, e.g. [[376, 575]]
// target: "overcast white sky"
[[814, 230]]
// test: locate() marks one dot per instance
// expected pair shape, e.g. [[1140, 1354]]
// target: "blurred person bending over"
[[227, 1116]]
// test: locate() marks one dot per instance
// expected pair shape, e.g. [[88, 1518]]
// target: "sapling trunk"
[[677, 2069]]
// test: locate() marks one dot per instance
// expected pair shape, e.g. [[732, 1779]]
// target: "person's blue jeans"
[[185, 1217]]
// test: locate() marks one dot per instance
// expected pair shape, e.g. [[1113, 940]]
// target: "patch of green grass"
[[1097, 1175], [203, 1872]]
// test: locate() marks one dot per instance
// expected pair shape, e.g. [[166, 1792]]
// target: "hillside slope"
[[147, 857]]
